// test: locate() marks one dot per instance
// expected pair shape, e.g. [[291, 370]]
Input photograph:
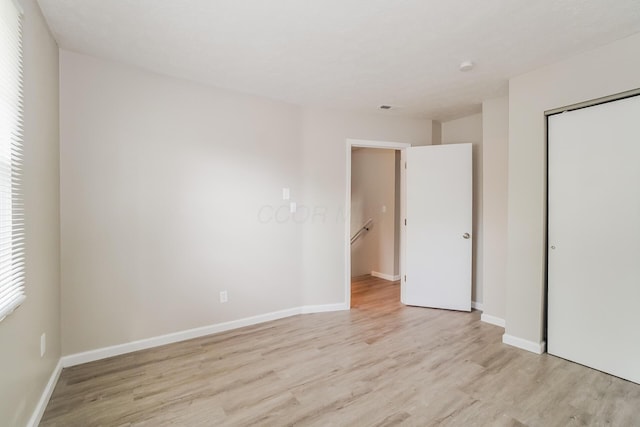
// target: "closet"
[[593, 241]]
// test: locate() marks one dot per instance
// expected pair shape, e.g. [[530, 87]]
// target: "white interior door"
[[438, 230], [594, 237]]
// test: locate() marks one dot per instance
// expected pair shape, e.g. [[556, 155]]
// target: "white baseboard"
[[477, 305], [306, 309], [46, 395], [116, 350], [531, 346], [487, 318], [384, 276]]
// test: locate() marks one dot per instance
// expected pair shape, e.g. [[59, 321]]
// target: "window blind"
[[12, 279]]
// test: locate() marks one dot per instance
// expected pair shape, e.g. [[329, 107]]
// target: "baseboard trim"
[[477, 305], [487, 318], [384, 276], [146, 343], [531, 346], [46, 395], [308, 309]]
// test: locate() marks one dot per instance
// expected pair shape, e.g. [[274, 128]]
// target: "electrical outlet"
[[43, 344], [224, 297]]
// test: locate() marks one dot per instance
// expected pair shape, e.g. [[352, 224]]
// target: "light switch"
[[286, 194], [384, 208]]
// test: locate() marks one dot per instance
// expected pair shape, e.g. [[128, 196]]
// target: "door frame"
[[363, 143]]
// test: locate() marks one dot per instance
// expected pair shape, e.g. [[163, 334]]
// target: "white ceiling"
[[352, 54]]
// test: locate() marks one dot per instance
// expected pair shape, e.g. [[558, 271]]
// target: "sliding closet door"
[[594, 237]]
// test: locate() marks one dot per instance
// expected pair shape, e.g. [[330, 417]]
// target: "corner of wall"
[[436, 132], [30, 377]]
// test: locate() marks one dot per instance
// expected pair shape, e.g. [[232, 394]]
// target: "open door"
[[438, 212]]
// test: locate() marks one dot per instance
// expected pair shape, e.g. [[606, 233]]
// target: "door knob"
[[466, 235]]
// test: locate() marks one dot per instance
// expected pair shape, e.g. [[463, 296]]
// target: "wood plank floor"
[[380, 364]]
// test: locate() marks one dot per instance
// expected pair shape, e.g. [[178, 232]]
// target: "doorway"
[[375, 224], [435, 242], [375, 220]]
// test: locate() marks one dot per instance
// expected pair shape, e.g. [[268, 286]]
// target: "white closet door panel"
[[594, 237]]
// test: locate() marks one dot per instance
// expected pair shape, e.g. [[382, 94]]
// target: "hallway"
[[372, 293]]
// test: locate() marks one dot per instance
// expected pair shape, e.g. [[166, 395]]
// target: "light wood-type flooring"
[[380, 364]]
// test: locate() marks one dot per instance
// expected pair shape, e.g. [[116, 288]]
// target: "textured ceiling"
[[351, 54]]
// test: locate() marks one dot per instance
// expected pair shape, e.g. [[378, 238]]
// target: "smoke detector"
[[466, 66]]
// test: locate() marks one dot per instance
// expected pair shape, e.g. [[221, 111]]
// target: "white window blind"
[[12, 279]]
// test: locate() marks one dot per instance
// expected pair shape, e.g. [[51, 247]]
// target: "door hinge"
[[405, 278], [405, 221], [405, 165]]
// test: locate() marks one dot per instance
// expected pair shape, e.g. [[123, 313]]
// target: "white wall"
[[324, 165], [373, 173], [469, 129], [24, 373], [171, 193], [495, 153], [604, 71]]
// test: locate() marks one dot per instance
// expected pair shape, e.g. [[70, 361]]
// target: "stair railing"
[[366, 227]]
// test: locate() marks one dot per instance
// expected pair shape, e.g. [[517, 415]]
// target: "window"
[[11, 207]]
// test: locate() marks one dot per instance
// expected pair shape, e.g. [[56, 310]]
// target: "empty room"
[[319, 213]]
